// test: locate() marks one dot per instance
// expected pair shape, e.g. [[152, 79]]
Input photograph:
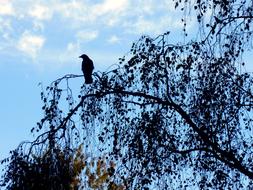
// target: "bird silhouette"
[[87, 68]]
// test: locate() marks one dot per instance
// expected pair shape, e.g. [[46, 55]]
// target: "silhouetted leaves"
[[54, 169]]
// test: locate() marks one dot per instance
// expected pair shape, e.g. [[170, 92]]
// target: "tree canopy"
[[171, 116]]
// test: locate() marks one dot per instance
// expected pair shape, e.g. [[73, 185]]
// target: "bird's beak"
[[80, 56]]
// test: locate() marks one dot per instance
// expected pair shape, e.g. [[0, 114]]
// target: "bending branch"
[[226, 157]]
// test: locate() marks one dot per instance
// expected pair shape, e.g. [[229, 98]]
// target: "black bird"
[[87, 68]]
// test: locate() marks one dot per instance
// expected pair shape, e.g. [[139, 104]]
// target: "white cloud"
[[40, 12], [6, 8], [73, 48], [86, 35], [81, 13], [110, 6], [147, 7], [38, 26], [81, 22], [30, 44], [76, 11], [154, 25], [142, 25], [112, 21], [114, 39], [88, 13], [110, 12], [5, 24]]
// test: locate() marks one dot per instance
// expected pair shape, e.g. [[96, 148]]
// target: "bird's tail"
[[88, 80]]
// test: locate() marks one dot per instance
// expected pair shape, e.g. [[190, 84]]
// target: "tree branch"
[[225, 156]]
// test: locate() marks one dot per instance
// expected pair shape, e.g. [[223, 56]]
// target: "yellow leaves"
[[114, 186], [99, 176], [87, 172], [78, 161], [78, 166], [100, 167], [74, 184], [99, 181], [79, 153], [99, 173]]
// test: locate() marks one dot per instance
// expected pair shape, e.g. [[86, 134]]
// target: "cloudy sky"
[[51, 33], [40, 41]]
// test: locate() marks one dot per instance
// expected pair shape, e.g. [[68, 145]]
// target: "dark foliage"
[[52, 170]]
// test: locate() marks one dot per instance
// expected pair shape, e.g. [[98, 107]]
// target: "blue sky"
[[40, 41]]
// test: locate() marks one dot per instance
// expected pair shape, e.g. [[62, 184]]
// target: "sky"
[[40, 41]]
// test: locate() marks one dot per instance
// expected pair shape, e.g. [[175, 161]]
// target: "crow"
[[87, 68]]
